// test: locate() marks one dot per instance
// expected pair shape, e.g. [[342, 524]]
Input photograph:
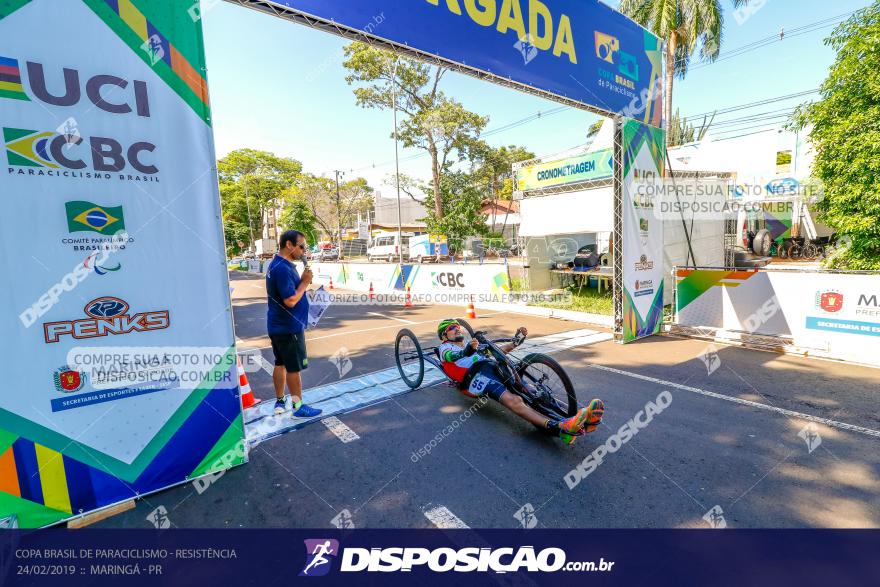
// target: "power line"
[[777, 38], [754, 104]]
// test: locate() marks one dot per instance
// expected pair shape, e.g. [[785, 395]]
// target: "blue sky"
[[280, 87]]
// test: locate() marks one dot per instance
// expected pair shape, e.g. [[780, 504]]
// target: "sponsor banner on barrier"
[[644, 158], [836, 314], [421, 279], [581, 50], [107, 142]]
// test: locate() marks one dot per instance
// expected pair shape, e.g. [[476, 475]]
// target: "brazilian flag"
[[86, 216]]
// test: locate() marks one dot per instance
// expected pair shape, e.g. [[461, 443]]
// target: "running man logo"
[[85, 216], [10, 80], [319, 555]]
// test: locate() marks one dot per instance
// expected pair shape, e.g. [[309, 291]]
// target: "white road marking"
[[267, 366], [337, 427], [390, 317], [744, 402], [441, 517]]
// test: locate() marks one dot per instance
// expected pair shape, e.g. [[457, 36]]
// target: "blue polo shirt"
[[281, 283]]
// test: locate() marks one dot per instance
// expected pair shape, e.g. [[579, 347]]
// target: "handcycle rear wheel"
[[409, 358], [546, 374]]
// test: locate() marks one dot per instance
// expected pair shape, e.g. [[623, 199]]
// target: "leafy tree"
[[319, 196], [495, 168], [298, 216], [462, 200], [684, 25], [252, 182], [594, 128], [431, 121], [846, 136]]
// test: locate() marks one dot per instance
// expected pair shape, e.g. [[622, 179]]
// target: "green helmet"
[[444, 324]]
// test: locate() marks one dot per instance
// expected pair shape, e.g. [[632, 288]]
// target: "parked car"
[[386, 246], [329, 254]]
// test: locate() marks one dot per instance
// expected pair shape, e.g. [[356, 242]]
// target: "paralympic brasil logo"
[[92, 263], [320, 553]]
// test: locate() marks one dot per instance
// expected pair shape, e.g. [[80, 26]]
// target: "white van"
[[386, 246]]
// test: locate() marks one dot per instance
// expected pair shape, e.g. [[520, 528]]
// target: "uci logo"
[[99, 89], [448, 279]]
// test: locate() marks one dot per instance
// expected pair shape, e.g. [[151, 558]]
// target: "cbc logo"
[[449, 279]]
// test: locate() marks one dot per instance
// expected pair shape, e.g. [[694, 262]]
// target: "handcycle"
[[538, 379]]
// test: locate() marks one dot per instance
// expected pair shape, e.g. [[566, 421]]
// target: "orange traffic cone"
[[371, 291], [247, 395], [331, 283], [408, 303], [471, 313]]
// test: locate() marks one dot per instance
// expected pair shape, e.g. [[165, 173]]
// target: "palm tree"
[[684, 25]]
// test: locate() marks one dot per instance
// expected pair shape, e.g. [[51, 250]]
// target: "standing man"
[[287, 318]]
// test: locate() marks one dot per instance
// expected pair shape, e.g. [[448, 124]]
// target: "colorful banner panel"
[[585, 167], [836, 315], [120, 361], [489, 279], [582, 50], [644, 161]]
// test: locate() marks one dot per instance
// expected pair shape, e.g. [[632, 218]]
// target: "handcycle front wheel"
[[409, 357], [546, 375]]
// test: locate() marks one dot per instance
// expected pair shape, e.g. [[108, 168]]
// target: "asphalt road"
[[734, 442]]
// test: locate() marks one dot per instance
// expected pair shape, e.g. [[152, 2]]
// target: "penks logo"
[[106, 316], [85, 216], [68, 380], [55, 150], [829, 301], [10, 80], [319, 555]]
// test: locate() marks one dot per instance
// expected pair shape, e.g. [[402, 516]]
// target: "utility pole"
[[247, 202], [338, 215], [396, 162]]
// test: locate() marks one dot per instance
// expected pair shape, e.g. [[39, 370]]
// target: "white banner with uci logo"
[[113, 244]]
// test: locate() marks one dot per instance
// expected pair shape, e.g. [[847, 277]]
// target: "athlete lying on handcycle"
[[477, 375]]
